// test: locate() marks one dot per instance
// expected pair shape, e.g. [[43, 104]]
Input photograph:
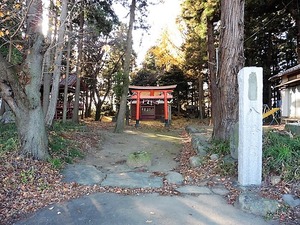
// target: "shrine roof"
[[71, 82], [168, 87]]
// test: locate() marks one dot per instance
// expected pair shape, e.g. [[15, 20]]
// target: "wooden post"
[[138, 103]]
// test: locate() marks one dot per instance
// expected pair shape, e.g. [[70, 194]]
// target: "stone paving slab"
[[113, 209], [174, 178], [133, 180], [194, 190], [82, 174], [220, 190]]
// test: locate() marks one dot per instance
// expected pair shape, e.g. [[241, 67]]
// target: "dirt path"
[[113, 149], [194, 205]]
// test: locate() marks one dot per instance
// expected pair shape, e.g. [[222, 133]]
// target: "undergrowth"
[[8, 138], [281, 155], [62, 148], [225, 166], [220, 147]]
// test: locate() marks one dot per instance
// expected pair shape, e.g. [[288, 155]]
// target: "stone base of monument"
[[139, 159], [253, 203]]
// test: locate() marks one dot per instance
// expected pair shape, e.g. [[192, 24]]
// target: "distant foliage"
[[145, 78]]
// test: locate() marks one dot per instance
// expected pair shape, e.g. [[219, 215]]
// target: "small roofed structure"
[[288, 82], [71, 83], [151, 103]]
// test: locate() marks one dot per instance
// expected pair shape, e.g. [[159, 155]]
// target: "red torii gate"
[[146, 102]]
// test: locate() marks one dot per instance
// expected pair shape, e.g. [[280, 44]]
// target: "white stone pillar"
[[250, 126]]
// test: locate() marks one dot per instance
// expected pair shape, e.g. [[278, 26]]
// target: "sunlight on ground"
[[167, 136], [106, 119], [151, 128]]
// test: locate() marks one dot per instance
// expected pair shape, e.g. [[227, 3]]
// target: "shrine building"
[[151, 103]]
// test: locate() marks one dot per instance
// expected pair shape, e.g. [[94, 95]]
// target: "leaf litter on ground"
[[27, 185]]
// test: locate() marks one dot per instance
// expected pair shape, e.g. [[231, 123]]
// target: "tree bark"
[[200, 97], [119, 128], [212, 67], [57, 65], [231, 61], [48, 59], [100, 102], [75, 117], [65, 105], [20, 88]]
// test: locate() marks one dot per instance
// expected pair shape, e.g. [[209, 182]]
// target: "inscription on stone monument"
[[252, 88]]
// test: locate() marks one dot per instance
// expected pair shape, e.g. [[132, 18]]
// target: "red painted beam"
[[138, 104], [166, 105]]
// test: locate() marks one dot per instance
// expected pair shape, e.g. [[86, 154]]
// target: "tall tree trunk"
[[178, 103], [88, 103], [75, 117], [100, 102], [57, 65], [48, 59], [231, 61], [122, 110], [65, 107], [21, 89], [212, 67], [201, 96]]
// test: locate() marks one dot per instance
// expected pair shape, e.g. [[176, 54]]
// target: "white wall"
[[291, 102], [285, 102]]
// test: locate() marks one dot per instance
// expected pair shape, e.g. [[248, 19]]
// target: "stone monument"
[[250, 126]]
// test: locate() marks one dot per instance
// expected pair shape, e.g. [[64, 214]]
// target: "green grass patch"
[[224, 167], [139, 159], [59, 126], [8, 138], [227, 169], [56, 163], [281, 155], [63, 149], [61, 146], [221, 148]]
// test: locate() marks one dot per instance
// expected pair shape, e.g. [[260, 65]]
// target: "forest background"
[[87, 40]]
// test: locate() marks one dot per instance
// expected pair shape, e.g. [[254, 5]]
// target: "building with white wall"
[[289, 87]]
